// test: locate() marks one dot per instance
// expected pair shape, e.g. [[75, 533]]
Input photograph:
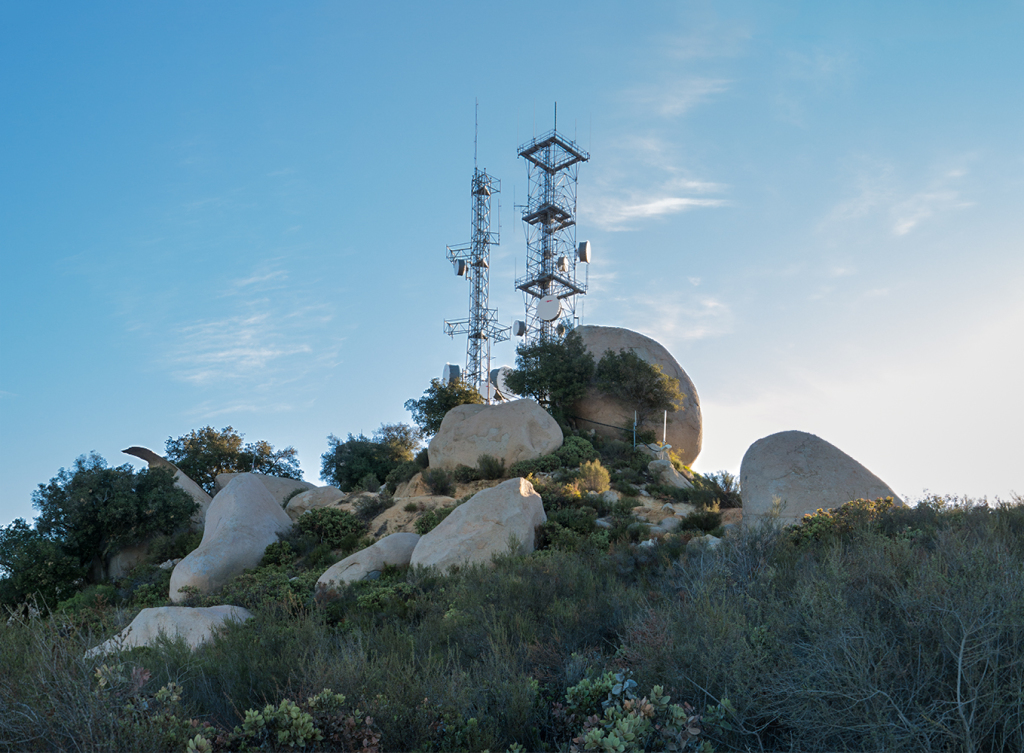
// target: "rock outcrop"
[[513, 431], [804, 473], [395, 550], [664, 471], [278, 487], [243, 520], [322, 496], [183, 482], [484, 526], [195, 625], [599, 411]]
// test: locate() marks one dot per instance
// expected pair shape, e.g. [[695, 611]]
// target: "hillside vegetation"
[[871, 627]]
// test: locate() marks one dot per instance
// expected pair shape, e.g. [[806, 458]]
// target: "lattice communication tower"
[[551, 284], [471, 260]]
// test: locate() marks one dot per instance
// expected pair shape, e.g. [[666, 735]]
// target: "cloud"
[[879, 193], [670, 320], [675, 98], [610, 214]]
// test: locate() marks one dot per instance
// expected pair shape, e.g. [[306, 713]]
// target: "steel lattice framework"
[[472, 261], [549, 219]]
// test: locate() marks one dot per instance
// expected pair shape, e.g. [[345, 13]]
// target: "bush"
[[702, 520], [643, 387], [594, 477], [338, 529], [543, 464], [439, 481], [348, 464], [463, 474], [400, 474], [368, 508], [423, 457], [575, 451], [555, 373], [491, 468], [428, 521]]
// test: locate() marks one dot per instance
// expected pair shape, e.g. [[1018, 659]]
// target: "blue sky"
[[227, 214]]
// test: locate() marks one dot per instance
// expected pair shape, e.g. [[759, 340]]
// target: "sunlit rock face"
[[484, 526], [513, 431]]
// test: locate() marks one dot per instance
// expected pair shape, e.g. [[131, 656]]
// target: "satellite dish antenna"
[[519, 328], [583, 252], [498, 377], [563, 263], [549, 307], [451, 373]]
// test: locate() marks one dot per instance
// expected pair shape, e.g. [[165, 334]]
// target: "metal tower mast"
[[471, 261], [549, 219]]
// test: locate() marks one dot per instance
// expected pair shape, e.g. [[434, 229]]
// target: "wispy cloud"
[[677, 97], [609, 214], [670, 320], [879, 193]]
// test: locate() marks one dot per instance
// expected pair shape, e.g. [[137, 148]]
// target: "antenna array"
[[471, 260], [550, 284]]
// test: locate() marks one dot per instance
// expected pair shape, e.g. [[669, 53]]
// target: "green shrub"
[[368, 483], [594, 477], [338, 529], [278, 553], [411, 507], [368, 508], [174, 546], [428, 521], [575, 451], [702, 520], [400, 474], [422, 458], [543, 464], [491, 468], [439, 481], [463, 474], [91, 598]]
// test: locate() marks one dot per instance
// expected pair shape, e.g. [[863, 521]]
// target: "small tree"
[[429, 411], [554, 373], [87, 514], [204, 453], [348, 464], [642, 386]]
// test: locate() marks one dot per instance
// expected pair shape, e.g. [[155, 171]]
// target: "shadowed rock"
[[599, 411], [395, 550], [195, 625], [804, 473], [243, 520]]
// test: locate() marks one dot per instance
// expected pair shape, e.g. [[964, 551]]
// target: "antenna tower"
[[549, 221], [471, 260]]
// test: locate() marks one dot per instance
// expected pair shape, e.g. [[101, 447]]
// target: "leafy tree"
[[204, 453], [437, 400], [87, 514], [642, 386], [554, 373], [347, 464]]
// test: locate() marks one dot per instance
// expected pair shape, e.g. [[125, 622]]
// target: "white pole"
[[664, 430]]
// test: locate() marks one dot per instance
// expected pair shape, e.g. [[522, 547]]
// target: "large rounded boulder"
[[367, 564], [486, 525], [243, 520], [513, 431], [280, 488], [603, 413], [804, 473], [196, 625]]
